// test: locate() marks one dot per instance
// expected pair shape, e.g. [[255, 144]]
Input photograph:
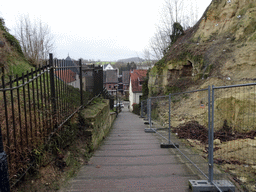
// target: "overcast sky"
[[94, 29]]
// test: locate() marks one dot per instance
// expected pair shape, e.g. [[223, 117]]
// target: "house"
[[88, 77], [110, 80], [137, 77], [107, 67], [68, 76], [126, 80], [73, 66], [68, 72]]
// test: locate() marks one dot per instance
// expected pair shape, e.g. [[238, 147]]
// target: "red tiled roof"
[[66, 75], [136, 76]]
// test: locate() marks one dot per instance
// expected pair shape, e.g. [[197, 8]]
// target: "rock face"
[[221, 45]]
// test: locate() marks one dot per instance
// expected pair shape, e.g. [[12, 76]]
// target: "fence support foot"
[[149, 130], [167, 145], [147, 123], [204, 185]]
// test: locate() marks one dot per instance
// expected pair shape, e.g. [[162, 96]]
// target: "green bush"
[[136, 108]]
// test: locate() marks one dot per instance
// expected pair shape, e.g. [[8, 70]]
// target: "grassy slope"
[[11, 56], [105, 62]]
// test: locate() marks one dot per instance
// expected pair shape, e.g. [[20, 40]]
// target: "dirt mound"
[[227, 133], [193, 130]]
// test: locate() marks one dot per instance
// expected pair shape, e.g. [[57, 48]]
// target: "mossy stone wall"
[[98, 120]]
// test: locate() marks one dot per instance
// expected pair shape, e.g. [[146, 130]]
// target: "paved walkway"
[[131, 160]]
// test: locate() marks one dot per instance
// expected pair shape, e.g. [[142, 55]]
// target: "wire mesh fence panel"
[[160, 111], [189, 122], [187, 118], [235, 134]]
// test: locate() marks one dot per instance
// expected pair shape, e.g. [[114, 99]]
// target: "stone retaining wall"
[[98, 120]]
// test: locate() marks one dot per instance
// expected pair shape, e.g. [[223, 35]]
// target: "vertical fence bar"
[[38, 104], [30, 113], [25, 107], [101, 79], [60, 78], [150, 113], [170, 100], [116, 99], [147, 109], [6, 119], [45, 108], [65, 85], [141, 109], [41, 106], [4, 176], [60, 75], [19, 112], [52, 87], [13, 118], [81, 82], [34, 104], [56, 88], [211, 136], [49, 106]]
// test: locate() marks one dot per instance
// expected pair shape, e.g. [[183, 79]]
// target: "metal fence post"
[[141, 109], [148, 109], [4, 176], [81, 82], [210, 131], [116, 100], [170, 118], [149, 114], [101, 79], [94, 81], [52, 84]]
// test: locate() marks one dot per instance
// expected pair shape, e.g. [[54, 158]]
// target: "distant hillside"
[[132, 59]]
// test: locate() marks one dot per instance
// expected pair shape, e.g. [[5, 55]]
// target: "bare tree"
[[159, 44], [183, 12], [35, 38]]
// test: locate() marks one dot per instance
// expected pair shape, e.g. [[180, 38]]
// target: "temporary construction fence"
[[36, 105], [219, 122], [234, 131]]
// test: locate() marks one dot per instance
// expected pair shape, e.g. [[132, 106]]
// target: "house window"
[[110, 86], [141, 82]]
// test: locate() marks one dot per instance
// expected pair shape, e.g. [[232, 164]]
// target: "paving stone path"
[[131, 160]]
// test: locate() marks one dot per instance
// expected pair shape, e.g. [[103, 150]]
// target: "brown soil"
[[193, 130], [235, 153]]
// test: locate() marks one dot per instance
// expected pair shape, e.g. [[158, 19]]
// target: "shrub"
[[136, 108]]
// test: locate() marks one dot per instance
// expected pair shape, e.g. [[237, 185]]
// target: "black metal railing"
[[35, 105]]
